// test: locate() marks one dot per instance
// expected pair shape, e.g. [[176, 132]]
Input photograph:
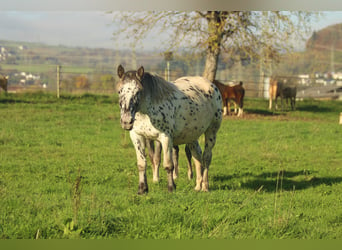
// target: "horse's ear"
[[140, 73], [121, 71]]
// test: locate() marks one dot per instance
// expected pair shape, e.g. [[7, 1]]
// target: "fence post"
[[58, 79]]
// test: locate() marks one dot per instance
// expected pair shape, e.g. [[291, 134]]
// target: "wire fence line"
[[66, 79]]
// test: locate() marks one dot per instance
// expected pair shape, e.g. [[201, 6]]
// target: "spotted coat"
[[172, 114]]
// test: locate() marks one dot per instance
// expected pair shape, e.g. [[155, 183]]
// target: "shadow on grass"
[[287, 181], [260, 112], [315, 109], [265, 112]]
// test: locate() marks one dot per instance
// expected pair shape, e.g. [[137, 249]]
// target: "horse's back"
[[201, 83], [199, 88]]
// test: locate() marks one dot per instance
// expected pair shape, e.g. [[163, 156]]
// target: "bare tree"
[[256, 34]]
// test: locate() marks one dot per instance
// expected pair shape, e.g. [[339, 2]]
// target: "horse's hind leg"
[[156, 161], [210, 140], [196, 152], [293, 103], [228, 108], [175, 154], [188, 158], [225, 107]]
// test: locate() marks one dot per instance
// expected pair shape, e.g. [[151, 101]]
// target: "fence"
[[73, 80], [61, 80]]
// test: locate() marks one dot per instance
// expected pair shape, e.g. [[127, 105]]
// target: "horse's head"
[[129, 89]]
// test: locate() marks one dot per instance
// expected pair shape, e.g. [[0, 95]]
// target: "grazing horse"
[[234, 93], [173, 114], [3, 82], [280, 88]]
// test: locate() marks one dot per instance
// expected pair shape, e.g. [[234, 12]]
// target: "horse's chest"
[[152, 125]]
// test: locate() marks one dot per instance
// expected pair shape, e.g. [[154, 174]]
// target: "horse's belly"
[[190, 130]]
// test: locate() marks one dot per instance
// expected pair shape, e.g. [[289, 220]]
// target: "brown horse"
[[234, 93], [283, 89], [3, 82]]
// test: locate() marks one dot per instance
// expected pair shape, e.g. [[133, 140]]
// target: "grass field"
[[68, 170]]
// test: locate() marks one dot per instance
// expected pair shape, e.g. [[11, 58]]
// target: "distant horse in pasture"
[[3, 82], [234, 93], [283, 89], [153, 109], [290, 93]]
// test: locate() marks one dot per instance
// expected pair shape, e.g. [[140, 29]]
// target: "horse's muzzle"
[[127, 121]]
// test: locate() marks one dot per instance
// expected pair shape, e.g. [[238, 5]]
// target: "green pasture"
[[68, 170]]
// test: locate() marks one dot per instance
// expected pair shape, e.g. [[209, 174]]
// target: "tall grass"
[[69, 171]]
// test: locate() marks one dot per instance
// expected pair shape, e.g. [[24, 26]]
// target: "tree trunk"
[[211, 64], [216, 22]]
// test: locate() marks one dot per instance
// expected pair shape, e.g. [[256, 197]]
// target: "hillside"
[[23, 53], [327, 38], [323, 55]]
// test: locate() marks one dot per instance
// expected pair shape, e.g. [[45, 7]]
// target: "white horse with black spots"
[[172, 114]]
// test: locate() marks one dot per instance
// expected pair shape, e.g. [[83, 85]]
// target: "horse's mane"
[[156, 87]]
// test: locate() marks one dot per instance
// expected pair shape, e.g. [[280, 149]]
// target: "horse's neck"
[[149, 106], [145, 103]]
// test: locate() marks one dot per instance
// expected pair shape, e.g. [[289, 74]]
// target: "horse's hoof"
[[141, 192], [205, 187], [143, 189], [171, 188]]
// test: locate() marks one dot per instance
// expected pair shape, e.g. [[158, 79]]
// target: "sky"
[[87, 28]]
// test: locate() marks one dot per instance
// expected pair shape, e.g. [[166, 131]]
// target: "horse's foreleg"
[[139, 145], [188, 158], [152, 155], [175, 153], [196, 152], [167, 146]]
